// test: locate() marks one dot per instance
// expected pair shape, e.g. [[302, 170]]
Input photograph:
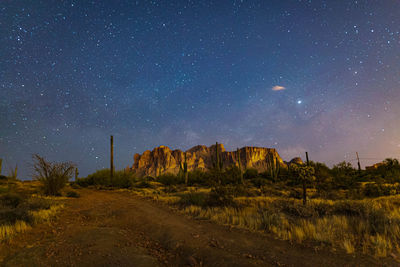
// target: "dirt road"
[[110, 228]]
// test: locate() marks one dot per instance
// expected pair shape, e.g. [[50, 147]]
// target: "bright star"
[[299, 102]]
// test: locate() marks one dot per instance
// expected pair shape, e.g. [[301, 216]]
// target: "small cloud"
[[278, 88], [192, 137]]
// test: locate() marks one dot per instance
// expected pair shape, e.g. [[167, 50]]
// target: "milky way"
[[316, 76]]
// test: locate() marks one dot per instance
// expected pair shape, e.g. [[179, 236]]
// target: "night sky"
[[316, 76]]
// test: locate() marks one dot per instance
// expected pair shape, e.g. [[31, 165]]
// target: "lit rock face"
[[297, 161], [164, 160]]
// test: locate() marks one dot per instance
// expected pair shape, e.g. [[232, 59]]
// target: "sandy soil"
[[111, 228]]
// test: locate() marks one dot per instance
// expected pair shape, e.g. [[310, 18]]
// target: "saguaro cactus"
[[180, 173], [239, 165], [273, 166], [1, 163], [13, 173], [76, 174], [218, 162], [111, 157], [185, 170]]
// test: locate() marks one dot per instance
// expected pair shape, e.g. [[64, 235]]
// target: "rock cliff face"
[[297, 161], [164, 160]]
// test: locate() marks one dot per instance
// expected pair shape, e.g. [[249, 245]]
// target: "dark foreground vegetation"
[[23, 204], [349, 209], [357, 211], [340, 182]]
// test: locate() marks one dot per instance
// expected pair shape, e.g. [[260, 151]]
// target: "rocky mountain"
[[164, 160]]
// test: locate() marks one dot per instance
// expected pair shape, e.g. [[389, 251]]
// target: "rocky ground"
[[117, 228]]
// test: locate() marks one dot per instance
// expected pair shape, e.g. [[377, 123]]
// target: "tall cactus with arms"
[[185, 170], [218, 162], [239, 165], [273, 166]]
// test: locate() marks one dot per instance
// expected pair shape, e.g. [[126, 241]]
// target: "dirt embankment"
[[108, 228]]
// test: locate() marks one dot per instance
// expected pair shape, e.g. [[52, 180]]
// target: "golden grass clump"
[[45, 215], [145, 192], [348, 246], [7, 231], [167, 199], [382, 245]]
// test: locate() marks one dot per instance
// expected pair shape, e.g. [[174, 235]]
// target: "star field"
[[316, 76]]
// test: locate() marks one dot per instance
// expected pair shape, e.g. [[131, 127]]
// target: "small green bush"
[[377, 189], [11, 199], [344, 176], [295, 209], [250, 173], [240, 190], [149, 178], [102, 178], [38, 204], [296, 193], [11, 215], [258, 182], [231, 175], [4, 189], [122, 179], [352, 208], [198, 177], [142, 184], [228, 176], [72, 194], [267, 190], [170, 189], [221, 196], [330, 194], [193, 198], [170, 179], [373, 190], [75, 185]]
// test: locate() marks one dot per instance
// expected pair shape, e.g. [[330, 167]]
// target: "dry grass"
[[348, 246], [8, 231], [45, 215], [146, 192], [31, 209], [370, 226], [167, 199]]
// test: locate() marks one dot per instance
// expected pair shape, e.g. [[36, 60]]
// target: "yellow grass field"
[[366, 226]]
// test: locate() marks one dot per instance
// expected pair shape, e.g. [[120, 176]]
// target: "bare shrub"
[[53, 175]]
